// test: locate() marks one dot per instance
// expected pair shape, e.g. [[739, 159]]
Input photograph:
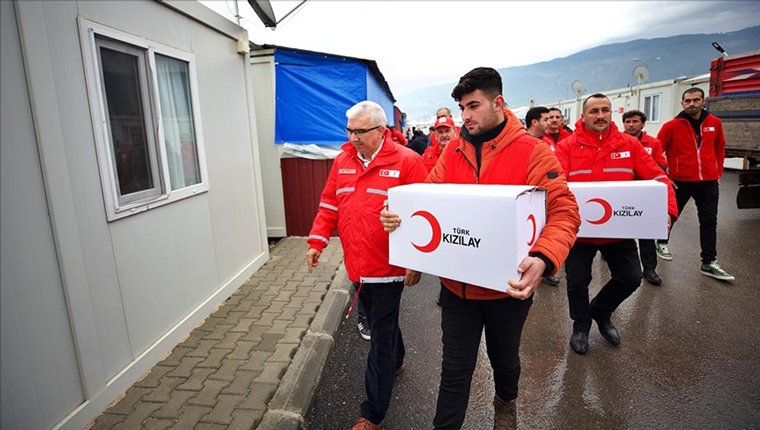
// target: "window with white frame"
[[145, 108], [652, 107]]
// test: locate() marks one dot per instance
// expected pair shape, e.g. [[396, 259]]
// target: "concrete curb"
[[294, 395]]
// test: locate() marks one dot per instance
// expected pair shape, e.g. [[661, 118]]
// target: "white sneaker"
[[662, 251]]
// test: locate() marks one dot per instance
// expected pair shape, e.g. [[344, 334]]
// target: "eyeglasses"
[[360, 131]]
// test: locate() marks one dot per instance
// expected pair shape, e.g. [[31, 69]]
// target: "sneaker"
[[715, 271], [662, 251], [363, 327]]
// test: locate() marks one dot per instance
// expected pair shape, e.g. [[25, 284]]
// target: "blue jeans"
[[381, 303]]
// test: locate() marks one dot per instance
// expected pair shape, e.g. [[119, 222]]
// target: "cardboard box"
[[477, 234], [622, 209]]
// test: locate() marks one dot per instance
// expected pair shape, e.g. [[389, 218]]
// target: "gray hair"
[[365, 108]]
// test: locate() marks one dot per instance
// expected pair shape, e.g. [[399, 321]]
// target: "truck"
[[735, 99]]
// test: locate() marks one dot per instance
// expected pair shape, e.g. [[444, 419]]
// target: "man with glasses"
[[352, 199]]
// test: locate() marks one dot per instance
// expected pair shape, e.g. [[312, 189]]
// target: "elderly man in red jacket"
[[597, 151], [352, 199], [696, 148]]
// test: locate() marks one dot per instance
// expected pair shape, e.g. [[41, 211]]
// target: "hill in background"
[[602, 68]]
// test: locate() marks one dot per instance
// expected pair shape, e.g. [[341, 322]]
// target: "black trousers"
[[705, 195], [386, 352], [623, 260], [462, 322], [648, 253]]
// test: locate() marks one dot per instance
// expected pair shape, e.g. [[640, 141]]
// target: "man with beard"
[[494, 148], [597, 151], [634, 121], [696, 148], [554, 130]]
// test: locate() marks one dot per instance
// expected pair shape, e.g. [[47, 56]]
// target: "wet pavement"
[[689, 358]]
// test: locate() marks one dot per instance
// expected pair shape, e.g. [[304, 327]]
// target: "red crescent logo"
[[435, 226], [532, 220], [607, 211]]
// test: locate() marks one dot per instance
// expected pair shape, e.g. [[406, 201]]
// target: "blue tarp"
[[313, 92]]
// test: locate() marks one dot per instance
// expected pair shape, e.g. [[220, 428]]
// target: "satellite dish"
[[578, 88], [264, 11], [641, 74]]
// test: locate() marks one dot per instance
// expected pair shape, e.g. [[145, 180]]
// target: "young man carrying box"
[[597, 151], [494, 148]]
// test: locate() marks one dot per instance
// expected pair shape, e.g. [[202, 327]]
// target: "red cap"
[[444, 121]]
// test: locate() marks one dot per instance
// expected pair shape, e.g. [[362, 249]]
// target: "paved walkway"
[[256, 361]]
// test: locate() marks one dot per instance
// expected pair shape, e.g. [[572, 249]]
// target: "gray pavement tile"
[[272, 372], [222, 411], [257, 360], [126, 405], [209, 394], [219, 331], [258, 397], [172, 409], [203, 348], [185, 368], [107, 421], [230, 340], [174, 359], [196, 379], [244, 325], [243, 419], [242, 382], [209, 426], [157, 424], [242, 351], [269, 341], [284, 352], [227, 370], [191, 415], [152, 379], [138, 416], [215, 358], [164, 392]]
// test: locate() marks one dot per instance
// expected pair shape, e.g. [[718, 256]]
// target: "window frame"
[[648, 112], [93, 35]]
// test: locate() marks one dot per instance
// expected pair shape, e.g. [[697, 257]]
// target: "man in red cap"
[[445, 132]]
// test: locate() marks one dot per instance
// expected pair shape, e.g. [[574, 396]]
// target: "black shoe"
[[608, 331], [651, 276], [579, 342], [552, 280], [363, 328]]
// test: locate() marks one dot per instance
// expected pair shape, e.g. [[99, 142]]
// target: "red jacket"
[[588, 156], [432, 152], [352, 200], [687, 160], [653, 147], [550, 140], [398, 137], [514, 158]]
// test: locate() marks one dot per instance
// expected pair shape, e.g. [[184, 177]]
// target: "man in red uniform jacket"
[[634, 121], [352, 199], [494, 148], [445, 133], [696, 148], [554, 130], [597, 151]]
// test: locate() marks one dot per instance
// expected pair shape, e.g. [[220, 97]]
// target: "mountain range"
[[604, 67]]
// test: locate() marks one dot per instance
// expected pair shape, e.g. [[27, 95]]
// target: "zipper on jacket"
[[699, 148], [477, 173]]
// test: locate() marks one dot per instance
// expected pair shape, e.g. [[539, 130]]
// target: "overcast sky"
[[423, 43]]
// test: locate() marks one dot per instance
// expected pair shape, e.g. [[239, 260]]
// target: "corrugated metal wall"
[[302, 184]]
